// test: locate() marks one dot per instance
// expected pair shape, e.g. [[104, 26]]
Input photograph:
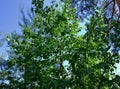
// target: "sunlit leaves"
[[42, 51]]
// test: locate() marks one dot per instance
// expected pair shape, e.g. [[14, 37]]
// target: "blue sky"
[[10, 14]]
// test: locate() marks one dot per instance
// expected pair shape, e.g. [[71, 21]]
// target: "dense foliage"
[[111, 15], [50, 53]]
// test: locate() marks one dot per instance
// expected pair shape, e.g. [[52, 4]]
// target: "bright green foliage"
[[51, 55]]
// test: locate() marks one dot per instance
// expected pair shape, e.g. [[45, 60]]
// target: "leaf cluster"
[[51, 55]]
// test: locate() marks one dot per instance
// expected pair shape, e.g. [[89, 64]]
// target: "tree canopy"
[[50, 53]]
